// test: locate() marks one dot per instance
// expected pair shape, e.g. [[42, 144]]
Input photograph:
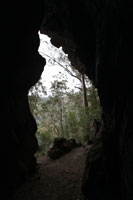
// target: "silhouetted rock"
[[62, 146], [72, 142], [93, 175], [78, 144], [90, 142], [55, 153]]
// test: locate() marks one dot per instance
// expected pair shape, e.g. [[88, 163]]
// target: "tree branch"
[[79, 88], [64, 67]]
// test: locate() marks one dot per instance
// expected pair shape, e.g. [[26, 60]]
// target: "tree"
[[59, 90], [62, 114], [56, 56], [34, 95]]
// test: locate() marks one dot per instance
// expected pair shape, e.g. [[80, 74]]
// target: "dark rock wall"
[[98, 37], [21, 67]]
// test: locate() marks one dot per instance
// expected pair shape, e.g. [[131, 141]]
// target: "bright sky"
[[51, 70]]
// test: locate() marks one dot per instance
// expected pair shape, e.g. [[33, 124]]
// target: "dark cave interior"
[[97, 36]]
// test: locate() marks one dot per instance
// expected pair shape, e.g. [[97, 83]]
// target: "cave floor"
[[56, 179]]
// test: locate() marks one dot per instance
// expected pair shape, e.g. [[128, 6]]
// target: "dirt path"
[[56, 180]]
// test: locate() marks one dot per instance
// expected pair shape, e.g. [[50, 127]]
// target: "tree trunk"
[[85, 102], [61, 120]]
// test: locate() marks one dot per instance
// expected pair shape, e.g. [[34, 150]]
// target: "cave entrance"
[[64, 107], [64, 102]]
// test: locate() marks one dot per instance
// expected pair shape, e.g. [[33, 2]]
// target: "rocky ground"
[[58, 179]]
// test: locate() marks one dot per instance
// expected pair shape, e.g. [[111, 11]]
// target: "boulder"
[[62, 146], [55, 153]]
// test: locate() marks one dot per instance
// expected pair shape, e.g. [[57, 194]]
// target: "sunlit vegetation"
[[64, 112]]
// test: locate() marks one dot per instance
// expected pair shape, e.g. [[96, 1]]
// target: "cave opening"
[[64, 111], [64, 102]]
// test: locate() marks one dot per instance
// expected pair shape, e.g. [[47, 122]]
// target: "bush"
[[45, 141]]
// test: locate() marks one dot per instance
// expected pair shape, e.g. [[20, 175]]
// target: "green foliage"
[[71, 126], [94, 105], [45, 141], [63, 114], [34, 95], [66, 113]]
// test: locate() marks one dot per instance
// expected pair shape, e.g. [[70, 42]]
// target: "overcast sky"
[[51, 70]]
